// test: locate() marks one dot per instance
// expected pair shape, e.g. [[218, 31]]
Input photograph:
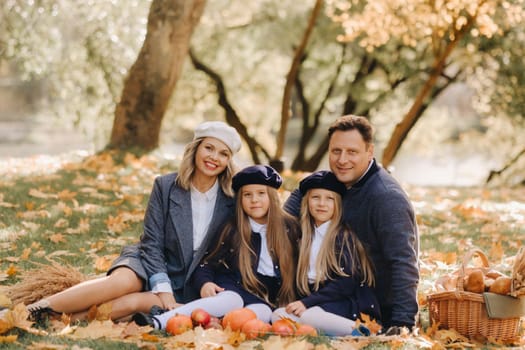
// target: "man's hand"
[[210, 289]]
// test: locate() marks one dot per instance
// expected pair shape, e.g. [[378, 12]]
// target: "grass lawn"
[[80, 210]]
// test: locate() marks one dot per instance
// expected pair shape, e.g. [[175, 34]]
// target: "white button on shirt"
[[317, 242], [202, 206], [265, 266]]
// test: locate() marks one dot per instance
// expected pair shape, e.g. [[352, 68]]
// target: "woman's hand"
[[210, 289], [168, 301], [296, 308]]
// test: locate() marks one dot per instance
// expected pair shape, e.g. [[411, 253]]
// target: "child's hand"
[[210, 289], [296, 308]]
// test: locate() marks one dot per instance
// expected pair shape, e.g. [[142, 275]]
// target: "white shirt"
[[202, 206], [317, 241], [265, 266]]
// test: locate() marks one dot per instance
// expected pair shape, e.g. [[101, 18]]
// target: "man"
[[378, 210]]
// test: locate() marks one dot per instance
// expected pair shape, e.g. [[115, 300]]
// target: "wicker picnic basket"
[[466, 312]]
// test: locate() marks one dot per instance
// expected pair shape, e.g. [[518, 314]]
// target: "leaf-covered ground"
[[80, 210]]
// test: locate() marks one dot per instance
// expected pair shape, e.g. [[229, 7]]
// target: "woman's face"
[[212, 157], [321, 205], [255, 202]]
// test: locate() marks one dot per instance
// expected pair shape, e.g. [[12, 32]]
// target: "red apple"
[[200, 317], [214, 323]]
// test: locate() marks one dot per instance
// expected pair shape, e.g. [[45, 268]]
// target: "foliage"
[[81, 211], [80, 50]]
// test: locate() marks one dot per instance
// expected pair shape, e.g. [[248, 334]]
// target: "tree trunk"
[[412, 116], [152, 78], [290, 80]]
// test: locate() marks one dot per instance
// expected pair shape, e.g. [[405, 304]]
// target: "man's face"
[[349, 156]]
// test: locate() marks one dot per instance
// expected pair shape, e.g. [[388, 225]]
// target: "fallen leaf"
[[8, 339], [11, 270], [99, 329]]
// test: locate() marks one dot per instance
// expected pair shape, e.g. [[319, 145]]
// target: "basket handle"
[[466, 259], [519, 255]]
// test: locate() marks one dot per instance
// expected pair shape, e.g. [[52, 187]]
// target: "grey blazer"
[[166, 246]]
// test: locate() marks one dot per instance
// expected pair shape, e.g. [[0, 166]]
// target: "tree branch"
[[230, 114]]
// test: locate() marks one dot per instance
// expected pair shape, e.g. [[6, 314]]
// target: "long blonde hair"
[[187, 169], [279, 244], [328, 262]]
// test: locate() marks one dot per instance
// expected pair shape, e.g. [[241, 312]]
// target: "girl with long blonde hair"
[[255, 256], [334, 274]]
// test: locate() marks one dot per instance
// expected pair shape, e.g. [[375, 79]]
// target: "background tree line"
[[130, 67]]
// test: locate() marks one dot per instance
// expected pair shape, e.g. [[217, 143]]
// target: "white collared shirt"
[[202, 206], [317, 241], [265, 266]]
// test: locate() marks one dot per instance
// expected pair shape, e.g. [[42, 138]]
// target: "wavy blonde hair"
[[329, 261], [279, 244], [187, 169]]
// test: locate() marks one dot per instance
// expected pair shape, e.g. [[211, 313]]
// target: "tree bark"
[[152, 78], [290, 80]]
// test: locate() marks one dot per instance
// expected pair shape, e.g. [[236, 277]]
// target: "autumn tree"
[[439, 26], [152, 78]]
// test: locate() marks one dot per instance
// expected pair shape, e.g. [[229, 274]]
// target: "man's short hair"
[[353, 122]]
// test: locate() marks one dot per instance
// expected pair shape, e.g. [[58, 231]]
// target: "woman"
[[334, 273], [184, 212]]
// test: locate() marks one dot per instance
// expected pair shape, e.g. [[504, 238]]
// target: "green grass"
[[33, 229]]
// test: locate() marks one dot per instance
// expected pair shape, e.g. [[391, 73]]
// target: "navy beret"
[[257, 175], [322, 179]]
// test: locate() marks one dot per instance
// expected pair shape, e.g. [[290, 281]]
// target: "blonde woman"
[[184, 213], [334, 274], [252, 263]]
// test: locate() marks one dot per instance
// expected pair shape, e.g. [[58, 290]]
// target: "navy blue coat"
[[222, 267], [344, 295]]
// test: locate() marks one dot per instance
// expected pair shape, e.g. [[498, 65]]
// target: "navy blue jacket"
[[344, 295], [223, 265], [378, 210]]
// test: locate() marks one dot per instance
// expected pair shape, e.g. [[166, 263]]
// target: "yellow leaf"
[[99, 329], [4, 300], [25, 254], [57, 238], [103, 263], [61, 223], [150, 337], [8, 339], [5, 326], [11, 270], [371, 324], [104, 312], [66, 195], [496, 251]]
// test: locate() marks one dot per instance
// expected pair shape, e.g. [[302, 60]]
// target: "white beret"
[[220, 131]]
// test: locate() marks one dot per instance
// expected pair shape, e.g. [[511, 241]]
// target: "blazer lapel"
[[180, 213]]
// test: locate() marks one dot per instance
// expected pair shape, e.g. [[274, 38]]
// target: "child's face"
[[321, 205], [255, 202]]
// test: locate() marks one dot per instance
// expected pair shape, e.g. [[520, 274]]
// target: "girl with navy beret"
[[255, 256], [334, 273]]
